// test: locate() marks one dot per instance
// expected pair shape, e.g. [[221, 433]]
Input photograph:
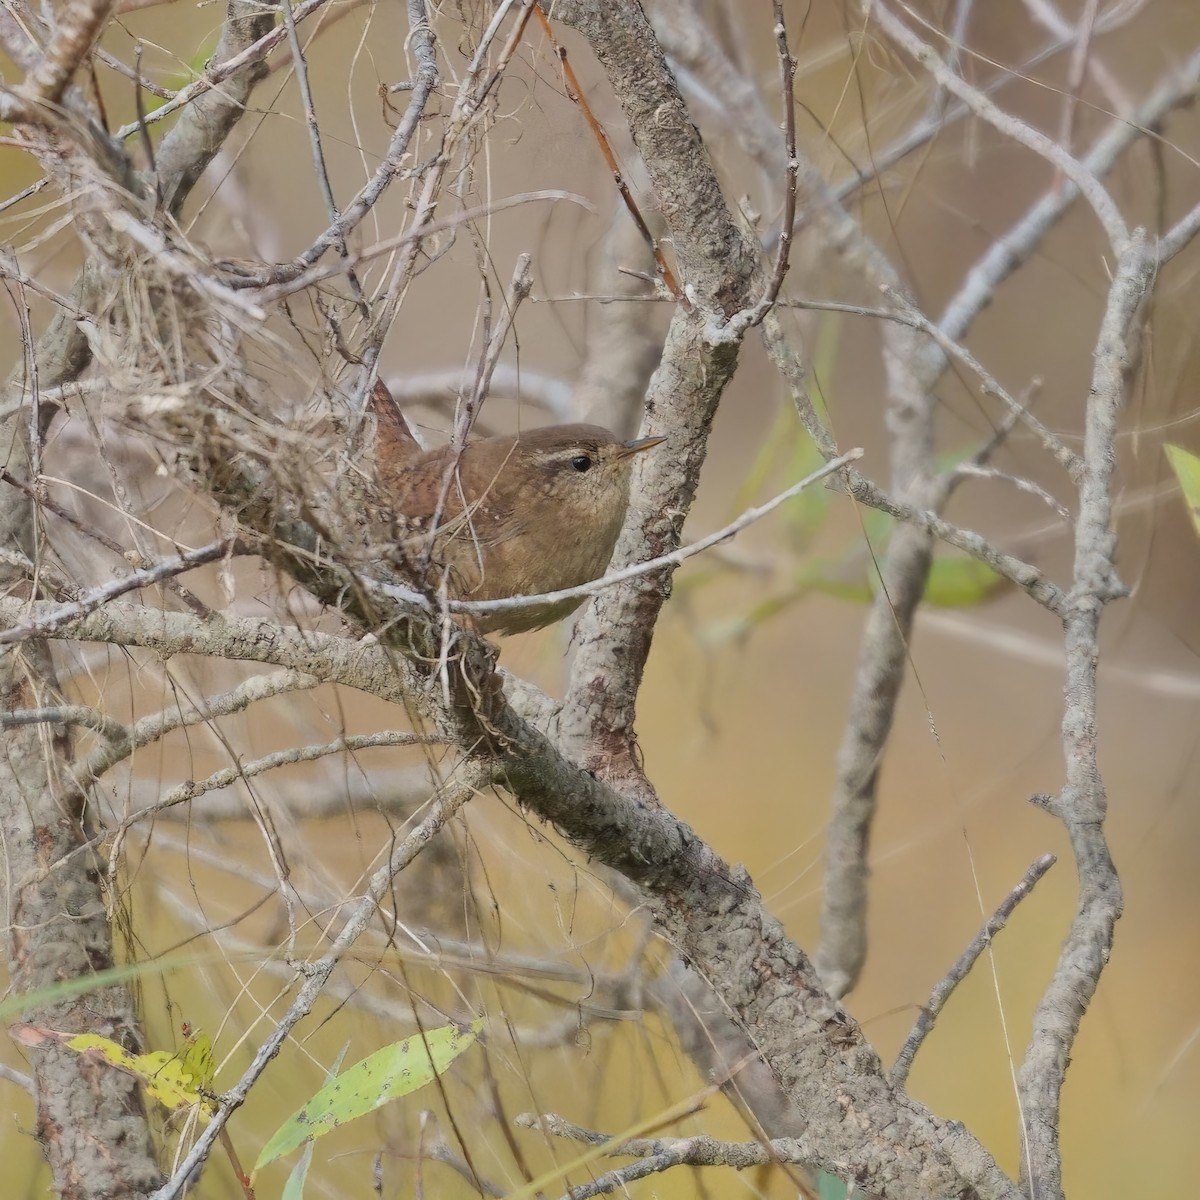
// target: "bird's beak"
[[637, 445]]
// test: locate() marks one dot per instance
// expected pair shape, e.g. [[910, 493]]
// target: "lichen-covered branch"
[[1082, 804], [717, 268]]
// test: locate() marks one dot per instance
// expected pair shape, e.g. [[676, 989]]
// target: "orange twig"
[[575, 92]]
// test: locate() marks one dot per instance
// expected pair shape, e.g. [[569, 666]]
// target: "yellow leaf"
[[1187, 470], [177, 1079]]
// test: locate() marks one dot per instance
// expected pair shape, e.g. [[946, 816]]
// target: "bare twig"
[[42, 626], [1178, 236], [1012, 249], [214, 105], [147, 730], [623, 342], [229, 62], [970, 470], [718, 262], [740, 322], [473, 91], [1020, 131], [1080, 37], [659, 1154], [193, 789], [300, 67], [518, 290], [10, 269], [97, 535], [46, 838], [412, 237], [1081, 54], [907, 314], [19, 1079], [576, 93], [334, 659], [316, 973], [962, 967], [143, 82], [907, 558], [439, 390]]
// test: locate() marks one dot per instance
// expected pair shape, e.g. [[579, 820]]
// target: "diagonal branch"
[[205, 124], [79, 26], [1090, 187], [944, 989]]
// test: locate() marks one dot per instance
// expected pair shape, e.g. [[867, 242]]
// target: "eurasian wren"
[[513, 515]]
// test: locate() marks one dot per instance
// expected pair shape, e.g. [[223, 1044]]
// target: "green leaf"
[[294, 1188], [804, 514], [188, 74], [55, 993], [830, 1187], [734, 629], [1187, 470], [877, 527], [394, 1071], [945, 461], [698, 578], [788, 446], [954, 581], [824, 361], [832, 578], [764, 462], [960, 582]]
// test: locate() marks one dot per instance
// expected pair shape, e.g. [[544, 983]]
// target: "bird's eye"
[[582, 462]]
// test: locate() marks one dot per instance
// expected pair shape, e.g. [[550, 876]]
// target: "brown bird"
[[514, 515]]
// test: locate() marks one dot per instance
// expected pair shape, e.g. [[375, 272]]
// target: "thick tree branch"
[[716, 267], [79, 26]]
